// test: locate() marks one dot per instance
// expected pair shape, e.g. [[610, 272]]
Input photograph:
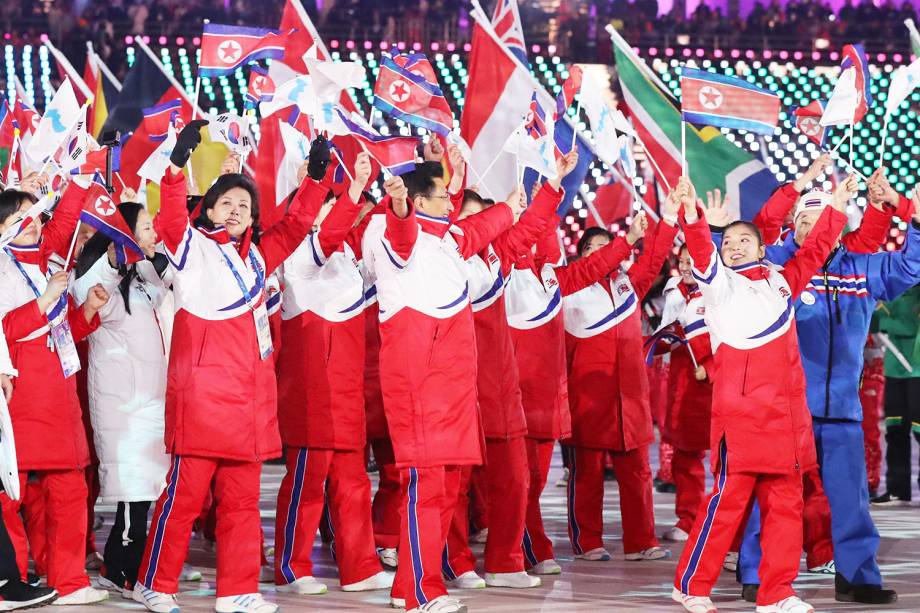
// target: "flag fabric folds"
[[101, 213], [407, 89], [712, 99], [225, 48], [808, 121]]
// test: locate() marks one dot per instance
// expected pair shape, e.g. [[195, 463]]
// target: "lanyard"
[[260, 275], [62, 301]]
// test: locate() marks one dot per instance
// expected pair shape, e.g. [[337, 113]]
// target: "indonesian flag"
[[100, 212], [226, 48], [808, 121], [851, 98], [498, 95], [407, 89]]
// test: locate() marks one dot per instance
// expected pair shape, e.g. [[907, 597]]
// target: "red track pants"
[[62, 494], [688, 469], [506, 480], [300, 509], [727, 508], [429, 500], [537, 546], [816, 536], [585, 494], [238, 530], [388, 498]]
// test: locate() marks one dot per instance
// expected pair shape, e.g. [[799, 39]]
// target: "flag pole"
[[881, 155], [683, 147], [97, 61], [648, 155], [14, 151], [575, 124], [851, 143], [72, 74], [344, 167], [80, 116]]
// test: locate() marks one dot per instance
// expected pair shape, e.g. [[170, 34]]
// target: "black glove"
[[188, 139], [319, 158]]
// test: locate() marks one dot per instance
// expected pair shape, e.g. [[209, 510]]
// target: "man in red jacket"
[[427, 364]]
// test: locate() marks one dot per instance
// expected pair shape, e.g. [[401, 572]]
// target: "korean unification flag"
[[56, 124]]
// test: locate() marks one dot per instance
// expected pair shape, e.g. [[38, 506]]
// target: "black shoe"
[[888, 499], [844, 591], [749, 592], [609, 475], [665, 488], [19, 595], [33, 579]]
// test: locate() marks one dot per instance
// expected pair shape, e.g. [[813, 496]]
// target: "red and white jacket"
[[533, 303], [45, 410], [689, 401], [321, 364], [427, 350], [498, 382], [221, 396], [759, 403], [607, 380]]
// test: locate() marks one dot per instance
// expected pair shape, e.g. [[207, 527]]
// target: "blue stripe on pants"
[[290, 526], [711, 510], [414, 542], [172, 483]]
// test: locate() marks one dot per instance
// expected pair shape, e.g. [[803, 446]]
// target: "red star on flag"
[[399, 91]]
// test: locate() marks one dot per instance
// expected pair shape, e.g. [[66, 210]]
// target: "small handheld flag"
[[261, 87], [100, 212], [407, 89], [395, 153], [808, 121], [712, 99], [159, 118]]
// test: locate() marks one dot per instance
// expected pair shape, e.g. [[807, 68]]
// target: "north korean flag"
[[261, 86], [407, 89], [100, 212], [226, 48], [158, 118], [712, 99], [808, 121], [395, 153]]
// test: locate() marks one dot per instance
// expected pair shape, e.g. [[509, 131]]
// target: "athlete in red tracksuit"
[[221, 408], [427, 364], [761, 426], [321, 405], [506, 472], [533, 302], [41, 325], [690, 378], [608, 397]]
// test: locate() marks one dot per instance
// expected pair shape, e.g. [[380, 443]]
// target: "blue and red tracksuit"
[[832, 317]]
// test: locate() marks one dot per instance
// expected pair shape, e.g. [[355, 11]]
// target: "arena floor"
[[584, 586]]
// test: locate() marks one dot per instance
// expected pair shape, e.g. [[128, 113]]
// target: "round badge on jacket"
[[808, 298]]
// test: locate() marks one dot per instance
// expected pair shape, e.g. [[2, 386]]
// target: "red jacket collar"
[[756, 271], [27, 254], [220, 236], [437, 226]]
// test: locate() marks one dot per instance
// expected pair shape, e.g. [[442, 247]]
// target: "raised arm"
[[885, 202], [589, 270], [338, 223], [708, 269], [821, 240], [402, 226], [643, 273], [283, 237], [482, 228], [891, 274], [769, 219], [58, 233]]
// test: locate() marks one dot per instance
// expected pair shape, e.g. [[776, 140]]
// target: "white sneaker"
[[595, 555], [388, 557], [675, 535], [564, 479], [518, 580], [380, 581], [467, 581], [244, 603], [546, 567], [694, 604], [158, 602], [441, 604], [825, 569], [652, 553], [307, 586], [793, 604], [104, 583], [480, 537], [189, 573], [397, 603], [731, 561], [85, 595]]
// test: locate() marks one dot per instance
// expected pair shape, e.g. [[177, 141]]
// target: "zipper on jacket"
[[830, 345]]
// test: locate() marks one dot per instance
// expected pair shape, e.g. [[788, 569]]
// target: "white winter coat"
[[126, 380]]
